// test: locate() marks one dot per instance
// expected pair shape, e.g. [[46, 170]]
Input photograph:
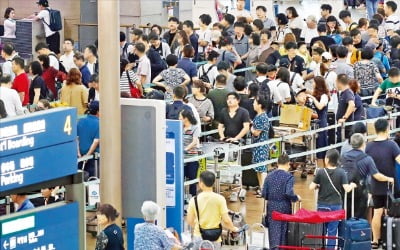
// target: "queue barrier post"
[[216, 171]]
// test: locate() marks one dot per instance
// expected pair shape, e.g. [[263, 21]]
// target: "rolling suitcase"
[[390, 233], [356, 231], [249, 177]]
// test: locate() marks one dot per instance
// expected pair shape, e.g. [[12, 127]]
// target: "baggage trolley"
[[206, 245], [258, 238]]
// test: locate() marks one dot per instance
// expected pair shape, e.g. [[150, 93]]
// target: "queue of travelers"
[[330, 65]]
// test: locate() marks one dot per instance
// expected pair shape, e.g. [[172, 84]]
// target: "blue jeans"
[[372, 7], [331, 227]]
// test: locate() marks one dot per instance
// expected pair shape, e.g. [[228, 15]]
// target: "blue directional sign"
[[37, 130], [39, 165], [56, 227]]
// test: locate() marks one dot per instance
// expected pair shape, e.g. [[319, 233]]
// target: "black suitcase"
[[296, 232], [249, 177], [331, 132], [390, 233]]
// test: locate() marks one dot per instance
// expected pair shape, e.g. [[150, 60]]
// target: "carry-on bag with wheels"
[[390, 231], [356, 231], [249, 177]]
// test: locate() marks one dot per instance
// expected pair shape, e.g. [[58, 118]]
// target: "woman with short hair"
[[111, 237], [37, 88]]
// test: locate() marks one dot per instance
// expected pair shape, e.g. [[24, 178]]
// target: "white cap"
[[327, 56]]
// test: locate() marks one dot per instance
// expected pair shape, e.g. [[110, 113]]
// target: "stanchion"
[[216, 171]]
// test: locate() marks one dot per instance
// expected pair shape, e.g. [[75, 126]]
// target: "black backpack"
[[263, 88], [349, 165], [204, 77], [60, 65]]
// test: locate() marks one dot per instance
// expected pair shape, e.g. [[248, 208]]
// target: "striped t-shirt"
[[124, 81]]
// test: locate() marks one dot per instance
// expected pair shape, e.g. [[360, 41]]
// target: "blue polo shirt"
[[27, 204], [85, 75], [88, 130]]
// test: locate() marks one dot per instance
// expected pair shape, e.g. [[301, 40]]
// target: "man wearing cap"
[[310, 31], [52, 37], [89, 137]]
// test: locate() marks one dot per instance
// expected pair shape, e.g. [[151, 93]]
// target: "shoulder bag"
[[330, 180], [134, 91], [207, 234]]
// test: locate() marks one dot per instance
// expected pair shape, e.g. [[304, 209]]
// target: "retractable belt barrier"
[[285, 138]]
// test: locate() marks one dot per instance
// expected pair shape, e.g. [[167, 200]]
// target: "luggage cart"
[[234, 239], [258, 238]]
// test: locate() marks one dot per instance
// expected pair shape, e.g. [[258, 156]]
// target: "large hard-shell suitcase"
[[249, 177], [390, 233], [296, 232], [356, 231]]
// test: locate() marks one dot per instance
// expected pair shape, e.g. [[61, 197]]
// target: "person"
[[181, 39], [143, 66], [357, 128], [385, 153], [324, 69], [331, 183], [359, 112], [366, 168], [282, 87], [161, 47], [260, 133], [296, 63], [43, 104], [43, 49], [367, 73], [345, 16], [358, 43], [91, 58], [333, 27], [37, 88], [187, 65], [172, 76], [170, 35], [174, 109], [204, 34], [208, 72], [340, 65], [10, 97], [326, 11], [202, 104], [283, 29], [8, 54], [265, 46], [279, 194], [3, 112], [392, 21], [191, 134], [125, 48], [241, 12], [346, 105], [52, 37], [235, 122], [21, 80], [127, 77], [79, 61], [218, 97], [156, 63], [50, 75], [74, 93], [296, 23], [321, 98], [10, 25], [88, 132], [111, 237], [67, 59], [261, 13], [188, 27], [227, 53], [224, 69], [148, 235], [240, 41], [322, 32], [252, 54], [46, 198], [207, 210], [310, 31], [390, 87], [22, 202]]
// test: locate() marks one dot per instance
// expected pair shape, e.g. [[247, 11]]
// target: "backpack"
[[263, 88], [173, 111], [355, 56], [292, 94], [337, 38], [125, 54], [204, 77], [55, 20], [60, 65], [349, 165]]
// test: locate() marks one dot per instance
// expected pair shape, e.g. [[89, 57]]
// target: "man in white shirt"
[[43, 49], [52, 37], [8, 54], [10, 97], [310, 31], [144, 66], [240, 11], [261, 13], [67, 59], [90, 55], [392, 22], [204, 34]]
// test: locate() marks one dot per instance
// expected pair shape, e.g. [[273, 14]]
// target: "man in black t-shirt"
[[328, 41], [346, 106], [297, 63], [234, 122], [386, 154]]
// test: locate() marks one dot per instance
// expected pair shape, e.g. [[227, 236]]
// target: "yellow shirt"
[[76, 96], [211, 208]]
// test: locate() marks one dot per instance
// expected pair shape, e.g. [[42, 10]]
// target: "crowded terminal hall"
[[243, 124]]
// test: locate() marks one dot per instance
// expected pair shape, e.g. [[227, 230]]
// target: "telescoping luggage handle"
[[352, 203], [390, 195], [294, 207]]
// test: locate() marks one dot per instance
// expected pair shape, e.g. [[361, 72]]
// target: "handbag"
[[207, 234], [134, 91]]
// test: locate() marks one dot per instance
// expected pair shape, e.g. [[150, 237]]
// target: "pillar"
[[110, 108]]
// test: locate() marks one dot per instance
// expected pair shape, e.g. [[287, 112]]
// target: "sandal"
[[257, 192], [375, 245]]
